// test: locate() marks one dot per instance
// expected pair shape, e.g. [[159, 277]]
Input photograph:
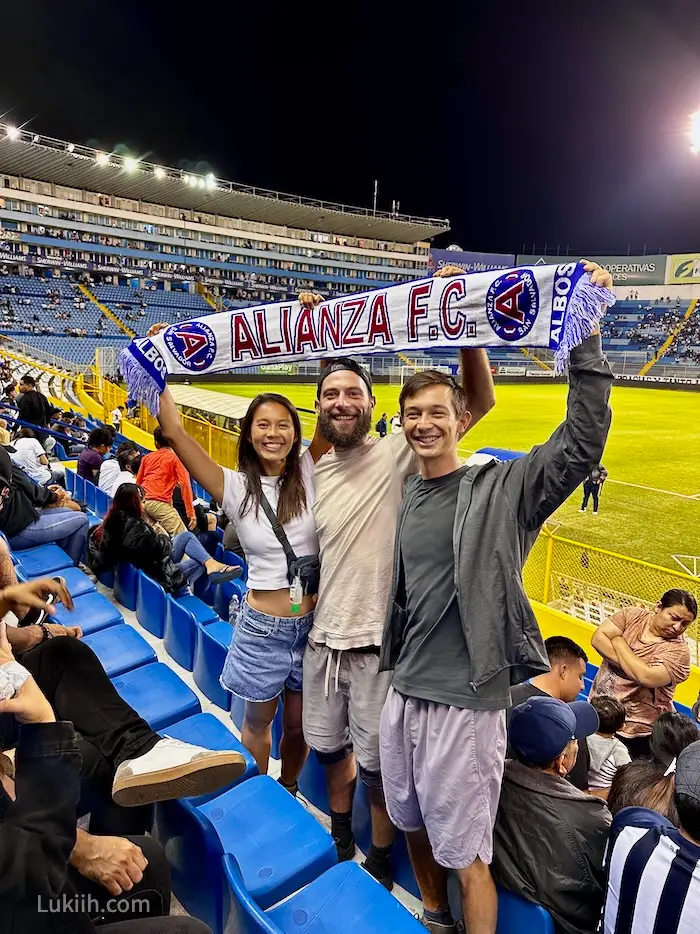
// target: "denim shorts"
[[266, 654]]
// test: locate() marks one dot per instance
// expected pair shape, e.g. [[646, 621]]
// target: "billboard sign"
[[469, 262], [626, 270], [683, 269]]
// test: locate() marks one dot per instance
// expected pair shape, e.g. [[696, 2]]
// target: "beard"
[[340, 440]]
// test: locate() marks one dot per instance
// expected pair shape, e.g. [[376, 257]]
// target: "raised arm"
[[602, 641], [540, 482], [195, 459]]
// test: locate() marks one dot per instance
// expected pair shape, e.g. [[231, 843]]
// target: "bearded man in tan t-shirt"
[[359, 485]]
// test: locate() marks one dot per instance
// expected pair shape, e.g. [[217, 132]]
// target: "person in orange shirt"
[[160, 472]]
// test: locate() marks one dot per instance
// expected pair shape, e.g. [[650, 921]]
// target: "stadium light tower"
[[694, 132], [12, 132]]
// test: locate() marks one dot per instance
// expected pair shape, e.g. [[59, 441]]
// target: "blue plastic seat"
[[204, 729], [201, 611], [150, 605], [79, 491], [345, 898], [181, 627], [77, 582], [681, 708], [518, 916], [120, 649], [90, 495], [92, 612], [43, 560], [211, 647], [158, 695], [223, 594], [106, 577], [70, 480], [102, 502], [60, 451], [238, 712], [126, 584], [277, 843]]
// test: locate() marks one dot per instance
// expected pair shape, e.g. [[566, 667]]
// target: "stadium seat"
[[79, 491], [150, 605], [277, 843], [92, 612], [102, 502], [125, 584], [106, 578], [223, 594], [60, 451], [204, 729], [77, 582], [518, 916], [43, 560], [90, 495], [200, 610], [70, 480], [237, 714], [179, 633], [157, 694], [211, 646], [120, 649], [681, 708]]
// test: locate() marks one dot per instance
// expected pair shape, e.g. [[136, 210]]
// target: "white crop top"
[[267, 564]]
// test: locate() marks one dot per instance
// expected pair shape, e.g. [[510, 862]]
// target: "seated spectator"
[[159, 474], [9, 398], [56, 688], [112, 467], [648, 783], [549, 836], [605, 750], [90, 460], [645, 657], [653, 868], [32, 458], [36, 515], [128, 535], [565, 682]]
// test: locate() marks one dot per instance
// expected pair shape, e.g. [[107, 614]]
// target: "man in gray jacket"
[[550, 837], [461, 630]]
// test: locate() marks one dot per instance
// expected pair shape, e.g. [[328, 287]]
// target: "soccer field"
[[650, 507]]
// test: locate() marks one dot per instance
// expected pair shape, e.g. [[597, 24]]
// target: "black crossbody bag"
[[307, 568]]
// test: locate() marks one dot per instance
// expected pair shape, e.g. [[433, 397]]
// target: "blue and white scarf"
[[540, 306]]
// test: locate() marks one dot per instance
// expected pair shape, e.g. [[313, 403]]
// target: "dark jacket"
[[549, 842], [38, 829], [500, 509], [35, 408], [134, 541], [22, 505]]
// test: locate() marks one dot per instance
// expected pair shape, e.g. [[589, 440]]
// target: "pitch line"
[[654, 489]]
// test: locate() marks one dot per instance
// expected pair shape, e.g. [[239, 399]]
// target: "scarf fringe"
[[583, 315], [142, 386]]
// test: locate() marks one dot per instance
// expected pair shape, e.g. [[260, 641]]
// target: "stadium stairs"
[[107, 311], [672, 337]]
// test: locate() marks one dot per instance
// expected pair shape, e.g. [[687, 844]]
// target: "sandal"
[[228, 574]]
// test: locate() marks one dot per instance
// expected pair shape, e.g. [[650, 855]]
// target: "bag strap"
[[278, 530]]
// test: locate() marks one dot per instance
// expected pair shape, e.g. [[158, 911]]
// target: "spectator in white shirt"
[[30, 455], [120, 469], [117, 416]]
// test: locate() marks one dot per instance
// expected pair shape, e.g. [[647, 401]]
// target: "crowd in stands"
[[385, 604]]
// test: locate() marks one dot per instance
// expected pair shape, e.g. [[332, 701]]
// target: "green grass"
[[653, 443]]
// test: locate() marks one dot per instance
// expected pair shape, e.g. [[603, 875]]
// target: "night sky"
[[526, 123]]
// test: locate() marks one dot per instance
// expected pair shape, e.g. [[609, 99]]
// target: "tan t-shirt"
[[643, 705], [358, 493]]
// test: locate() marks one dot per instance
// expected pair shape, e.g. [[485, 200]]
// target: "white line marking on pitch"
[[653, 489]]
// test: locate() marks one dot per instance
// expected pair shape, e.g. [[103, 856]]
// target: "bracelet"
[[47, 634]]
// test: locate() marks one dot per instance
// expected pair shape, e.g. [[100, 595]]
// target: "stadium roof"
[[42, 158], [208, 400]]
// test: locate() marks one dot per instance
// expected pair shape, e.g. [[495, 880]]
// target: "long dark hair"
[[292, 495], [127, 500], [642, 783]]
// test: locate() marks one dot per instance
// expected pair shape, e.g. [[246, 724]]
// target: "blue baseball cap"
[[541, 728]]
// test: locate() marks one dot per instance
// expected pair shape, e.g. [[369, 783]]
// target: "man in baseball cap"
[[550, 837], [660, 863]]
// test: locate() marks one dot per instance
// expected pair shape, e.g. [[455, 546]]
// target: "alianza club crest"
[[193, 344], [512, 304]]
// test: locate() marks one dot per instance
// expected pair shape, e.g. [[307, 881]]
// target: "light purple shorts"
[[442, 769]]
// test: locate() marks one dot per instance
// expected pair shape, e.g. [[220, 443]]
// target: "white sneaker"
[[173, 769], [582, 510]]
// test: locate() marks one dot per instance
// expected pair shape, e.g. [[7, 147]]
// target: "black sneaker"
[[436, 928], [346, 852], [382, 873]]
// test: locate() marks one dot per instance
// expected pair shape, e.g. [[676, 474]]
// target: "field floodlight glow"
[[70, 147], [186, 179], [211, 181], [130, 163], [12, 132], [201, 182], [159, 172], [102, 158], [694, 132]]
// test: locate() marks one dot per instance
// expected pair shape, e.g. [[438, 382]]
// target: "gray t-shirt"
[[434, 662]]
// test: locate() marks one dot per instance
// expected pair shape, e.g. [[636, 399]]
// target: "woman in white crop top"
[[265, 658]]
